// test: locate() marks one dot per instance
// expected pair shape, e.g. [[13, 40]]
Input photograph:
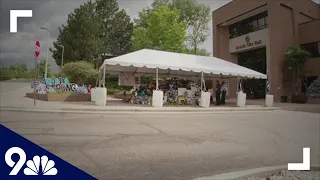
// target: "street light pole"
[[62, 54], [46, 66]]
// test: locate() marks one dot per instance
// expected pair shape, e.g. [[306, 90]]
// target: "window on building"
[[313, 48], [266, 21], [254, 23], [261, 23]]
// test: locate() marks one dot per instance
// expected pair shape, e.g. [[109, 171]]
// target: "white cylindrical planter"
[[269, 101], [93, 98], [157, 98], [205, 99], [241, 99], [100, 96]]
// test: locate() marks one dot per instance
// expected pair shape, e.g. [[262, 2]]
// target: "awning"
[[146, 61]]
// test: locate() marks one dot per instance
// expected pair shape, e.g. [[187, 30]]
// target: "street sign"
[[37, 49]]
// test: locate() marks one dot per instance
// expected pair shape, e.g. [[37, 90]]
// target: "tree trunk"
[[296, 82]]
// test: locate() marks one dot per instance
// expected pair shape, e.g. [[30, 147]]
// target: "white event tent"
[[163, 63], [146, 61]]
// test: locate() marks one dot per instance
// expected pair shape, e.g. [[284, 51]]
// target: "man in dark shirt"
[[218, 92]]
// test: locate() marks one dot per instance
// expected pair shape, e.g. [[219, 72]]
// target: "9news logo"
[[23, 159], [36, 166]]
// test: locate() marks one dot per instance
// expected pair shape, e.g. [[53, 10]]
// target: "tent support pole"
[[99, 77], [157, 79], [204, 83], [268, 88], [238, 81], [104, 76], [201, 84]]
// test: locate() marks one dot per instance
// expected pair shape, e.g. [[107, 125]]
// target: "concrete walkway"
[[13, 98]]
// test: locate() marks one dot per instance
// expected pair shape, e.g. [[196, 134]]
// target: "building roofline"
[[222, 6], [234, 0], [242, 14], [315, 3]]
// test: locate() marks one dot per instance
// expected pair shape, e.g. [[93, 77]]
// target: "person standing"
[[218, 93], [89, 89], [224, 92]]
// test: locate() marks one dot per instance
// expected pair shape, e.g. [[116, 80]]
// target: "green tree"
[[40, 70], [201, 52], [80, 37], [193, 13], [163, 32], [18, 67], [116, 27], [93, 29], [80, 72], [6, 74], [293, 66], [19, 70]]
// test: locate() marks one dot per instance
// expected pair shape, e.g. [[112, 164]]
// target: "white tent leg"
[[238, 81], [201, 82], [157, 79], [269, 97], [99, 77], [104, 76], [205, 96], [157, 95], [241, 97], [100, 93]]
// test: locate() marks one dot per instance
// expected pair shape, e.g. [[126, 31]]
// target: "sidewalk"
[[15, 100]]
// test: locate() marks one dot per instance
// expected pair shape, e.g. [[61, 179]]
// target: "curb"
[[248, 173], [137, 110], [170, 110]]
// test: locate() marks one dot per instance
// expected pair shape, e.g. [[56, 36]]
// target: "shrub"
[[80, 72], [5, 74]]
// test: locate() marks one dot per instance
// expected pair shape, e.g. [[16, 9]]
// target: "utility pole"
[[62, 54], [46, 66]]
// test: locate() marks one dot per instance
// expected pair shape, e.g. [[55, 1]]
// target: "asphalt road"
[[171, 146]]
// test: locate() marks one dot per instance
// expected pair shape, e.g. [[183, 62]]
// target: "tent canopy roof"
[[146, 61]]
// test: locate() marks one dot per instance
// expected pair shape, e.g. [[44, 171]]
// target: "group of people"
[[221, 91]]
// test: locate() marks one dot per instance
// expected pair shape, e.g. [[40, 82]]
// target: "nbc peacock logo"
[[36, 166], [47, 166]]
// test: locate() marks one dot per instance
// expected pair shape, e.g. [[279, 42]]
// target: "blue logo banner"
[[22, 159]]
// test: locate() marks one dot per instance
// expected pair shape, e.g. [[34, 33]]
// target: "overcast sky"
[[16, 47]]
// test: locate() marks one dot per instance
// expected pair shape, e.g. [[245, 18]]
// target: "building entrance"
[[255, 60]]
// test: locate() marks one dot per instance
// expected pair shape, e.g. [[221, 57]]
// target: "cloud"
[[52, 13], [20, 46]]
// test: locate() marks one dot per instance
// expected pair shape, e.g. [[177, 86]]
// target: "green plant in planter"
[[293, 66], [52, 91]]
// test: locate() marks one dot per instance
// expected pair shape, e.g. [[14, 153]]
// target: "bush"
[[5, 74], [80, 72]]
